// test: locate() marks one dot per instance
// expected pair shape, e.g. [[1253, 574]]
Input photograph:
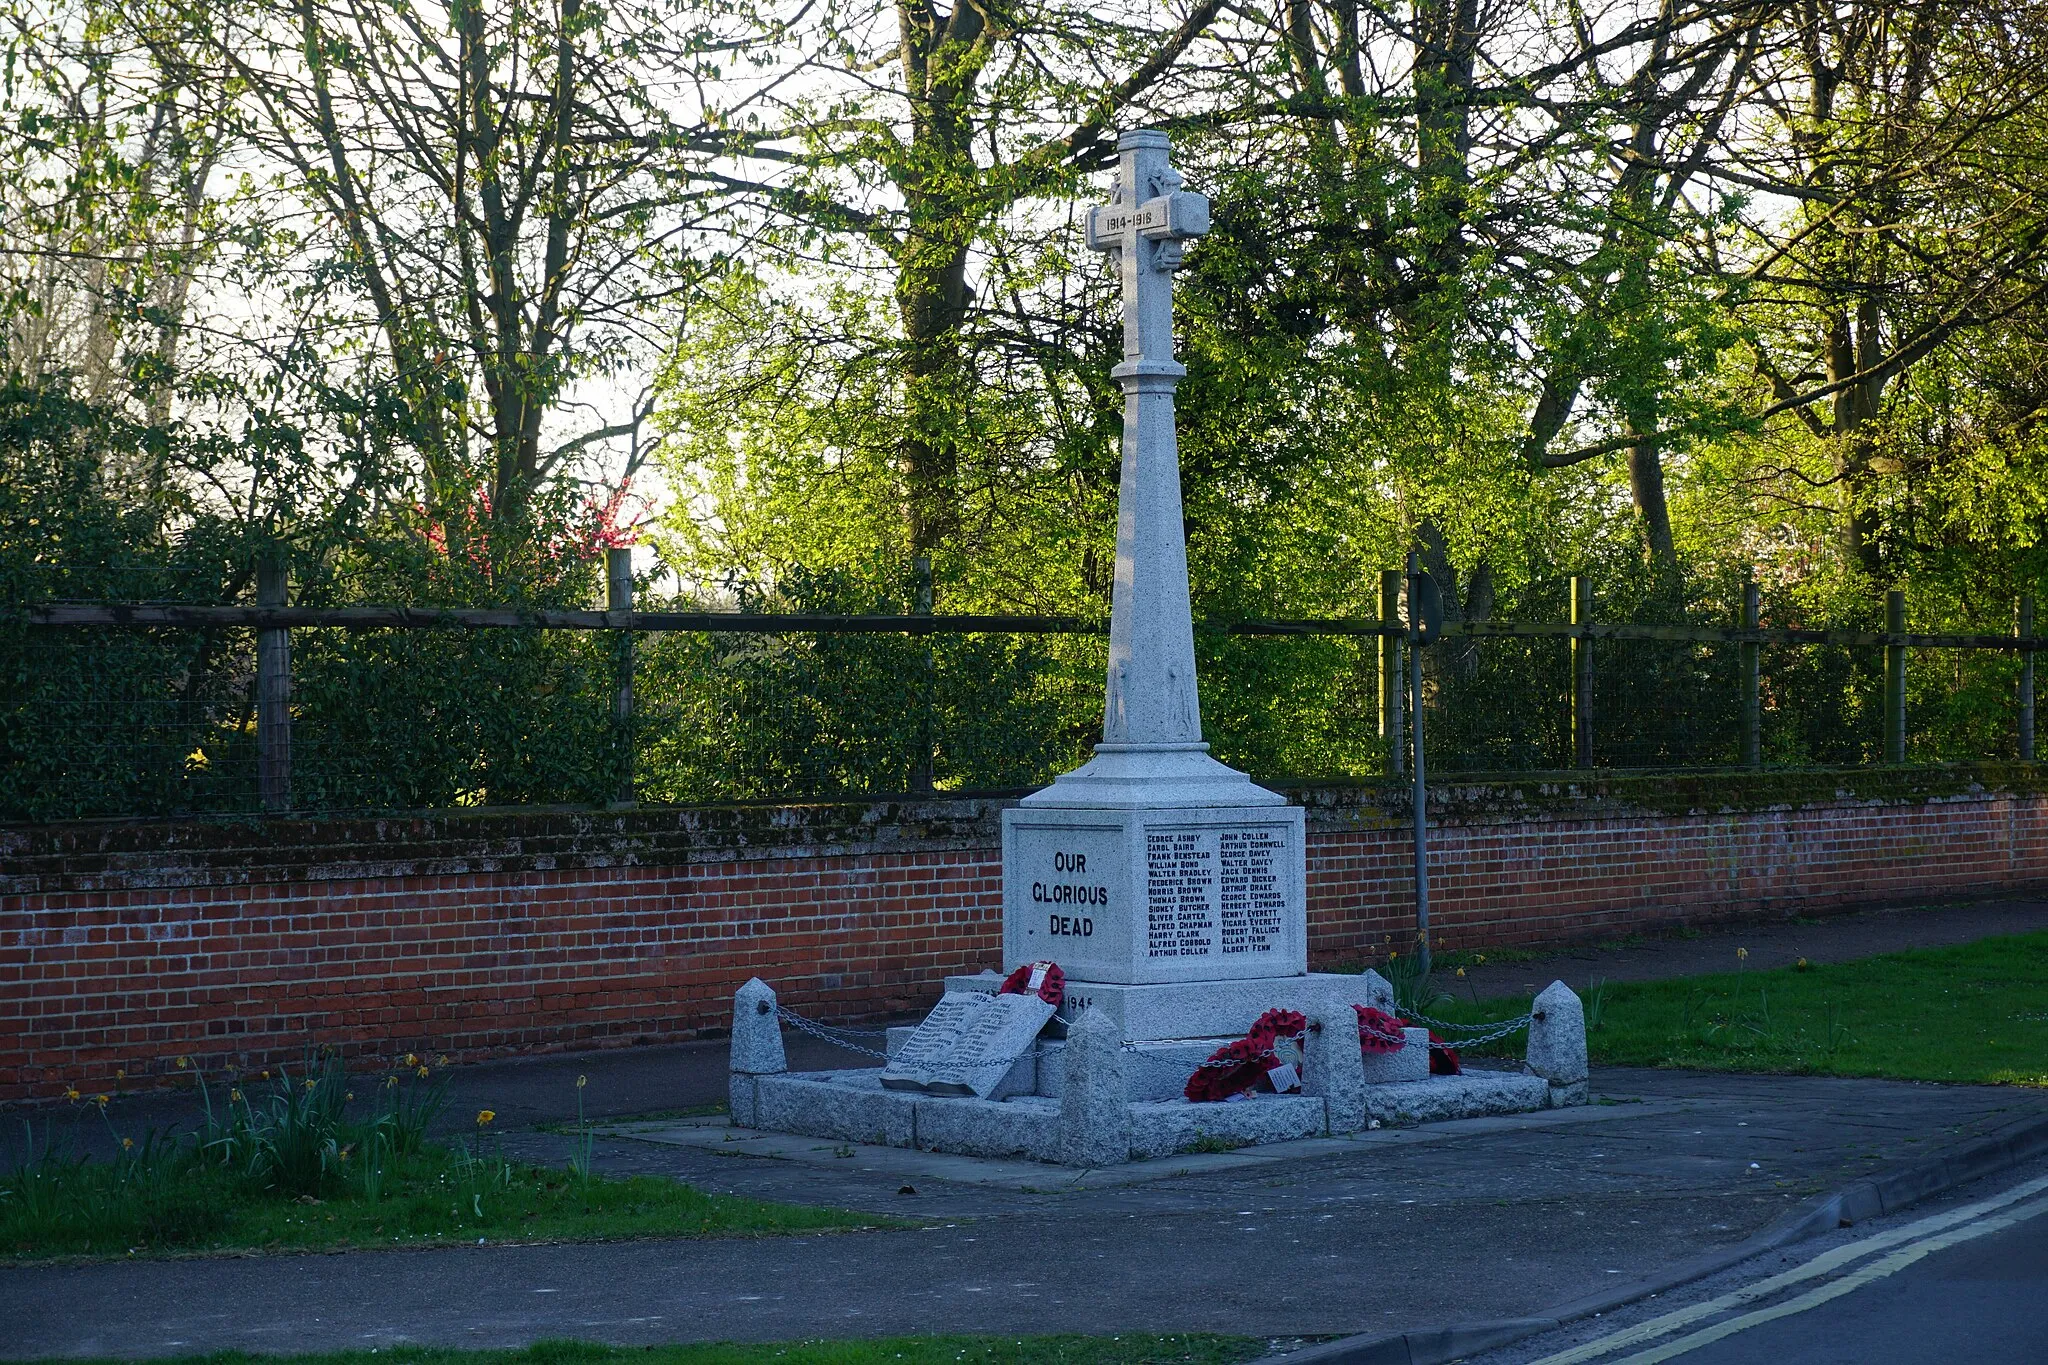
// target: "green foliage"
[[111, 720], [1415, 324], [1416, 988], [296, 1167], [826, 714], [1975, 1013]]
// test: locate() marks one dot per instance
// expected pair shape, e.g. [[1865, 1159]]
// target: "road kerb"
[[1888, 1192]]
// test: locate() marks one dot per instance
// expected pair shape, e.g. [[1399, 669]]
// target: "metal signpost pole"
[[1421, 802]]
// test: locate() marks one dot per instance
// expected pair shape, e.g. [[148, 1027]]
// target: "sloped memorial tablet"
[[999, 1035], [915, 1066]]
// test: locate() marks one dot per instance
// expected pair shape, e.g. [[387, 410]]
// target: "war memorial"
[[1154, 900]]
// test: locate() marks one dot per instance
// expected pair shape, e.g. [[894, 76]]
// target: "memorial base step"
[[1152, 1071], [853, 1106], [1223, 1009], [1204, 1009]]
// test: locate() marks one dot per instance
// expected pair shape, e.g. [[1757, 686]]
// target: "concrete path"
[[1493, 1219]]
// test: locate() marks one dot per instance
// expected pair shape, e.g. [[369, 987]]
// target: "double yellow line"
[[1913, 1242]]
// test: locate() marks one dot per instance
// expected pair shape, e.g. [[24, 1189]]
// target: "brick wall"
[[125, 946]]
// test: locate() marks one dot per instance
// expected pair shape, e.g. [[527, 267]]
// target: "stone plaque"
[[1250, 902], [1180, 893], [913, 1067], [994, 1040], [1070, 897], [1156, 896]]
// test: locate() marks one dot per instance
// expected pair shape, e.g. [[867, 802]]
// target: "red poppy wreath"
[[1235, 1068], [1045, 979], [1381, 1032]]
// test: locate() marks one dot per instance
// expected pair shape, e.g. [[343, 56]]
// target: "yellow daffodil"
[[421, 1073], [71, 1092], [101, 1100], [127, 1143], [484, 1117], [1742, 954], [411, 1060], [582, 1081], [1461, 971], [234, 1095], [184, 1062]]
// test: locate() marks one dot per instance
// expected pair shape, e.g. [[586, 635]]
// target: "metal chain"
[[837, 1037], [1494, 1034], [1509, 1024]]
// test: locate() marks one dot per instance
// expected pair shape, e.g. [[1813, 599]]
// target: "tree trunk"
[[1646, 484]]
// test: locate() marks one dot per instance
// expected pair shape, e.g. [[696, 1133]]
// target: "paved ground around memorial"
[[1498, 1218]]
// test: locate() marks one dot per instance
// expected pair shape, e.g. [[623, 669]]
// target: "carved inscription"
[[934, 1041], [993, 1041], [1180, 892], [1250, 902]]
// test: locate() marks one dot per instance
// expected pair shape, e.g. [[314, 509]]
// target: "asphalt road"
[[1977, 1301], [1960, 1279]]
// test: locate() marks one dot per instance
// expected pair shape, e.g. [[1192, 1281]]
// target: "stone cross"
[[1150, 703]]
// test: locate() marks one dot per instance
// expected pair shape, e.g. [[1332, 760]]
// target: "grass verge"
[[1975, 1012], [437, 1196], [1128, 1349], [303, 1168]]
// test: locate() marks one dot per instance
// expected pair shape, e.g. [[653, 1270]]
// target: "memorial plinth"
[[1169, 889], [1154, 865]]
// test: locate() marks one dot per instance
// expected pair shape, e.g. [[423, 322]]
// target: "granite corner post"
[[1379, 991], [1557, 1044], [756, 1049], [1095, 1108], [1334, 1069]]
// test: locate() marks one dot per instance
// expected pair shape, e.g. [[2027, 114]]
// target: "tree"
[[1897, 222], [911, 151], [503, 198], [108, 156]]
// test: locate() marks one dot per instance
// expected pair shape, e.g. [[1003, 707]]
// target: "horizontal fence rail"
[[150, 707], [140, 614]]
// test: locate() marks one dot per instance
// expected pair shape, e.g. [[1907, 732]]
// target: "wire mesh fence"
[[151, 709]]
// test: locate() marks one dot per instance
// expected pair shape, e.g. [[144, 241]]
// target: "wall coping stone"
[[102, 855]]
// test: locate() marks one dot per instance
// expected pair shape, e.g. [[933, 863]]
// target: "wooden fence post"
[[1752, 679], [2027, 681], [1895, 678], [1582, 673], [618, 597], [1392, 688], [273, 692]]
